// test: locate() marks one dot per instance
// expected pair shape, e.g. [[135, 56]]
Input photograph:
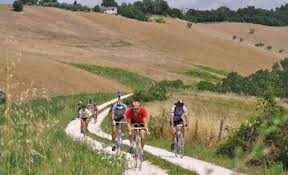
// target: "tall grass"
[[133, 80], [33, 141]]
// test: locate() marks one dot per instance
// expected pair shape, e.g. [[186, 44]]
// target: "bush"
[[269, 47], [189, 25], [159, 126], [206, 86], [130, 11], [281, 51], [252, 31], [18, 5], [160, 20], [241, 39], [158, 91], [97, 8], [2, 98], [259, 44], [234, 37]]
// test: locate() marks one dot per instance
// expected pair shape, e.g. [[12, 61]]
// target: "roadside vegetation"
[[33, 140]]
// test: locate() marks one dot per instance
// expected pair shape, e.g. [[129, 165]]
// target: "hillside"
[[45, 36]]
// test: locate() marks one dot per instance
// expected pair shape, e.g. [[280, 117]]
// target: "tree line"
[[141, 10]]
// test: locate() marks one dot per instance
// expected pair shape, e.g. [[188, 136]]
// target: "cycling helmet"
[[83, 106], [179, 103], [120, 107], [90, 100], [136, 104]]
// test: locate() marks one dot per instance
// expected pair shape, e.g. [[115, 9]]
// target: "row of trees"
[[274, 82], [250, 14], [141, 9]]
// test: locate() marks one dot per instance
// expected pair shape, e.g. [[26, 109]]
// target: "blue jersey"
[[119, 113]]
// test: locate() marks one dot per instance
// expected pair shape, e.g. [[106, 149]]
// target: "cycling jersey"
[[178, 115], [139, 118], [84, 113]]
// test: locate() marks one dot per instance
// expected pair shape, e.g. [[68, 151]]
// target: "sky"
[[195, 4]]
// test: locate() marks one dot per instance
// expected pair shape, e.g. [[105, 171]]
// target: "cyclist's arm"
[[185, 116], [145, 124], [129, 124], [113, 112]]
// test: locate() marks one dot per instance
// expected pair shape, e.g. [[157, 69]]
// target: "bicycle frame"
[[137, 144], [179, 141], [119, 136]]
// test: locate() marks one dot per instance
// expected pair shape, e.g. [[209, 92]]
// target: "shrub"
[[97, 8], [259, 44], [269, 47], [130, 11], [234, 37], [2, 98], [159, 125], [189, 24], [241, 39], [252, 31], [160, 20], [18, 5], [207, 86], [281, 50]]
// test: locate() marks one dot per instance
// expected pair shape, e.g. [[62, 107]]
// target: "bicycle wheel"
[[176, 146], [119, 142], [181, 145], [140, 156]]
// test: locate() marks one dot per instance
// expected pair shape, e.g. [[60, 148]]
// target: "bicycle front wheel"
[[181, 145]]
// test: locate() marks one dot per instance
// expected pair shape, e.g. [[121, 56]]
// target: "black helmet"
[[179, 103]]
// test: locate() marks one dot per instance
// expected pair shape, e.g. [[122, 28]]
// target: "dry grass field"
[[39, 40]]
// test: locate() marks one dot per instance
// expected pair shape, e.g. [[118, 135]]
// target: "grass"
[[133, 80], [203, 75], [171, 168], [201, 152], [211, 69], [33, 140]]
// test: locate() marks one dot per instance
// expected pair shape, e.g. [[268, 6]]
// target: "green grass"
[[203, 75], [33, 140], [203, 153], [133, 80], [211, 69], [171, 168]]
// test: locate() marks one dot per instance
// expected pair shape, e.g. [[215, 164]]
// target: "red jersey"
[[139, 118]]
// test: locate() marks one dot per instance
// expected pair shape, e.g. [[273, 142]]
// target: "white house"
[[110, 10]]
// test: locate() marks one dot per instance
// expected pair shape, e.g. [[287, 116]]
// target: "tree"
[[18, 5], [75, 3], [109, 3], [175, 13], [97, 8]]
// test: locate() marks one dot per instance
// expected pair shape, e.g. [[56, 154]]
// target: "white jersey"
[[178, 115], [85, 113]]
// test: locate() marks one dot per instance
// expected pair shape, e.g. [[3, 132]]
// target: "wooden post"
[[196, 130], [220, 130]]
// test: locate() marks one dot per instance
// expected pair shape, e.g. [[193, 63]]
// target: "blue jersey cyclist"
[[118, 115]]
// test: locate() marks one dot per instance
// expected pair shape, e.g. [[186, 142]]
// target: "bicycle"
[[119, 138], [137, 153], [179, 142]]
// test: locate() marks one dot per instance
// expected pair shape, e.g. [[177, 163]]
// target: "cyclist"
[[179, 115], [84, 114], [90, 103], [137, 115], [119, 110], [95, 112]]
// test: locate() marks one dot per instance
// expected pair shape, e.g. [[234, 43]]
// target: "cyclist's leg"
[[173, 132], [113, 133], [182, 128], [142, 135]]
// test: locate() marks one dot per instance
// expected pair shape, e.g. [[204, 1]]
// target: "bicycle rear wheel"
[[140, 156], [176, 146]]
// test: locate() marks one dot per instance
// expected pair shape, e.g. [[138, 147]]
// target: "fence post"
[[220, 130], [196, 130]]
